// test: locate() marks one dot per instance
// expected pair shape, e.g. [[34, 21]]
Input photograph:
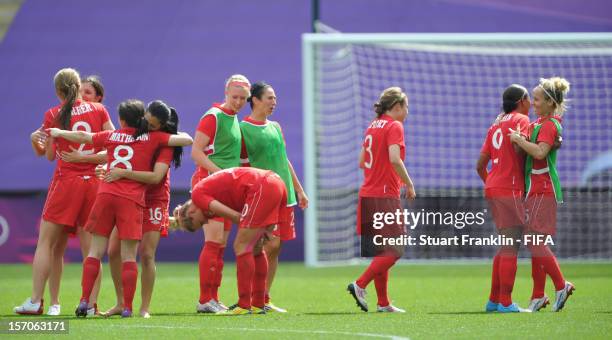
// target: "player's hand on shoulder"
[[515, 135]]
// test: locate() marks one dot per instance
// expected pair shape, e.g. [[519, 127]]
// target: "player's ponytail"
[[257, 91], [512, 96], [169, 120], [131, 111], [556, 89], [388, 98], [67, 84]]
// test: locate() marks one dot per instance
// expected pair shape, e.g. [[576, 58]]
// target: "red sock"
[[550, 265], [507, 274], [219, 274], [267, 297], [91, 269], [208, 269], [494, 296], [380, 282], [245, 270], [379, 265], [539, 278], [259, 280], [129, 276]]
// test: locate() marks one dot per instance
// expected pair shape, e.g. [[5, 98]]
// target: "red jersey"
[[228, 186], [128, 153], [86, 116], [540, 180], [161, 190], [507, 166], [380, 179]]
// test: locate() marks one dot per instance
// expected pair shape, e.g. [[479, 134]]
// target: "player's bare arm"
[[400, 169], [223, 210], [148, 177], [481, 166], [197, 154], [80, 137], [299, 190], [537, 151]]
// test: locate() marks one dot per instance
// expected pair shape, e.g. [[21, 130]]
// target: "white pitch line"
[[365, 335]]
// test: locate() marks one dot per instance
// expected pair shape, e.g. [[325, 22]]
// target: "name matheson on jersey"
[[378, 124], [82, 109], [125, 138]]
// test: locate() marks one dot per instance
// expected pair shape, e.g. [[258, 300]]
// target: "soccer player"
[[264, 147], [254, 199], [72, 182], [382, 160], [504, 186], [160, 117], [92, 90], [120, 202], [217, 146], [543, 187]]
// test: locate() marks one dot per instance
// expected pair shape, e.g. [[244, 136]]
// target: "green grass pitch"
[[442, 301]]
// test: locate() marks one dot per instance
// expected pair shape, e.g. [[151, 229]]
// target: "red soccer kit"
[[121, 202], [541, 203], [73, 188], [505, 183], [157, 198], [380, 179], [260, 195]]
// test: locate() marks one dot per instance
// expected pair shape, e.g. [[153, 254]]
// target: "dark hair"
[[388, 98], [131, 111], [169, 120], [67, 83], [96, 84], [257, 90], [513, 94]]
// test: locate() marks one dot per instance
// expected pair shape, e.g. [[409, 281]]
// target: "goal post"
[[453, 81]]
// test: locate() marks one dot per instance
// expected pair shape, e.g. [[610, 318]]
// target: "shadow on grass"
[[460, 313], [337, 313]]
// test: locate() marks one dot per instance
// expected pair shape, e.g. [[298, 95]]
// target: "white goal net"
[[454, 83]]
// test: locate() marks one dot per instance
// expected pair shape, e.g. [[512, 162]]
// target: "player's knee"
[[114, 253], [147, 259]]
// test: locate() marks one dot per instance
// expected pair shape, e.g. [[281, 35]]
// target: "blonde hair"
[[388, 98], [67, 84], [238, 80], [556, 89]]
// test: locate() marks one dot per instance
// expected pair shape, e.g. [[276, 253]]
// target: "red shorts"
[[265, 203], [368, 207], [110, 211], [542, 213], [156, 218], [70, 200], [507, 207], [286, 226]]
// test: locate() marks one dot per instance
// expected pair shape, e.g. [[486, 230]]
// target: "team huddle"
[[111, 188]]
